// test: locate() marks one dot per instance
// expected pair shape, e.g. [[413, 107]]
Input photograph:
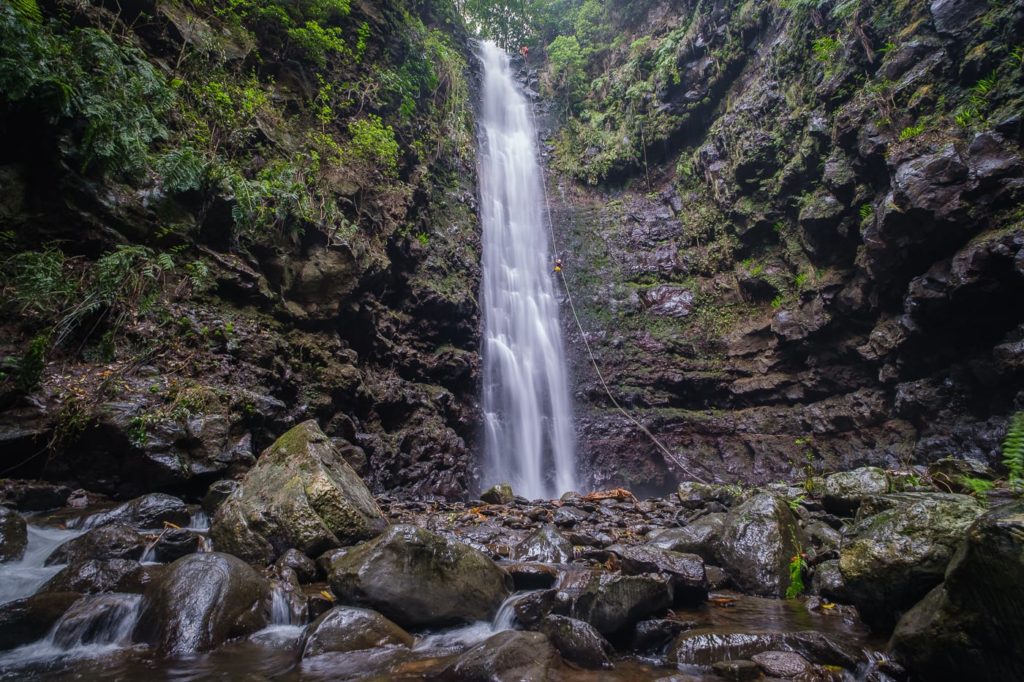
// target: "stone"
[[782, 663], [24, 621], [531, 575], [668, 301], [655, 634], [760, 539], [217, 493], [305, 568], [614, 603], [546, 545], [954, 16], [705, 646], [533, 606], [685, 571], [577, 642], [702, 537], [844, 490], [348, 628], [13, 535], [301, 494], [898, 550], [148, 511], [509, 655], [971, 626], [95, 619], [113, 541], [91, 576], [419, 579], [174, 543], [200, 601], [498, 494], [828, 581], [33, 495]]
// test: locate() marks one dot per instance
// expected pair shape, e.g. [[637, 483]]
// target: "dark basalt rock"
[[148, 511], [844, 490], [217, 493], [685, 571], [971, 626], [13, 535], [705, 647], [702, 537], [91, 575], [761, 536], [782, 663], [305, 568], [546, 545], [899, 549], [498, 494], [112, 541], [655, 634], [200, 601], [531, 575], [419, 579], [33, 495], [509, 655], [347, 628], [737, 671], [614, 603], [174, 543], [577, 642], [25, 620]]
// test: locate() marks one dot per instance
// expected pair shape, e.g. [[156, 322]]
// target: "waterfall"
[[527, 412]]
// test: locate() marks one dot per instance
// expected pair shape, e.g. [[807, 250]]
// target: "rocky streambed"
[[296, 572]]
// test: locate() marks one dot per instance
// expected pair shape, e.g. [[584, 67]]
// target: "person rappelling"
[[558, 265], [525, 51]]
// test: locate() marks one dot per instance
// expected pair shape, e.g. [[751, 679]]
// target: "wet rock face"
[[972, 624], [301, 494], [200, 601], [685, 571], [545, 545], [91, 576], [613, 603], [148, 511], [899, 549], [13, 535], [347, 628], [577, 642], [760, 538], [112, 541], [25, 620], [845, 490], [419, 579]]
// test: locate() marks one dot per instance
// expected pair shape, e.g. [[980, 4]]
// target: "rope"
[[593, 360]]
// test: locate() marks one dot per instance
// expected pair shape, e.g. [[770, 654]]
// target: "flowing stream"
[[527, 411]]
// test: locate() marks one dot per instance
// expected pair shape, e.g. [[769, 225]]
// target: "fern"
[[1013, 449], [27, 10], [181, 170]]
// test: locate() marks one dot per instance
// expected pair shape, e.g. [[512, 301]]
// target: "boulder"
[[32, 495], [706, 646], [737, 671], [654, 634], [892, 558], [13, 535], [175, 543], [955, 16], [546, 545], [148, 511], [845, 490], [685, 571], [760, 539], [96, 619], [577, 642], [217, 493], [305, 568], [612, 603], [782, 663], [531, 575], [200, 601], [91, 576], [347, 628], [498, 494], [300, 494], [25, 620], [419, 579], [508, 655], [702, 537], [971, 627], [113, 541]]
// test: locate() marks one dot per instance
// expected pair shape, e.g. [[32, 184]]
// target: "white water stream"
[[527, 412]]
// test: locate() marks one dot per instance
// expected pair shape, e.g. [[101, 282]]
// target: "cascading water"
[[527, 412]]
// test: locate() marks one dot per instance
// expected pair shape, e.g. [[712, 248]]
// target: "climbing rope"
[[593, 360]]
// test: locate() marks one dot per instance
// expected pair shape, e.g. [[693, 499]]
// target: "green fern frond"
[[1013, 449], [27, 10]]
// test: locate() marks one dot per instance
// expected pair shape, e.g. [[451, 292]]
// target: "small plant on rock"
[[1013, 450]]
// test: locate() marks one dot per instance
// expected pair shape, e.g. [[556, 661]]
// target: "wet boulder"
[[217, 493], [174, 543], [91, 576], [654, 634], [498, 494], [685, 571], [613, 603], [760, 538], [148, 511], [706, 646], [200, 601], [891, 558], [702, 537], [971, 627], [113, 541], [32, 495], [348, 628], [25, 620], [13, 535], [508, 655], [577, 642], [419, 579], [546, 545], [844, 491], [304, 568], [782, 664], [530, 575], [300, 494], [97, 619]]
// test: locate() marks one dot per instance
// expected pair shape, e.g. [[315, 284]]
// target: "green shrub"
[[374, 141], [318, 42]]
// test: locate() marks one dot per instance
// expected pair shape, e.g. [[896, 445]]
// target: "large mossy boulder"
[[419, 579], [972, 626], [200, 601], [898, 550], [13, 535], [301, 494], [348, 628], [760, 538]]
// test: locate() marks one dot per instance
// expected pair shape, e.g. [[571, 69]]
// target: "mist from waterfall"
[[527, 411]]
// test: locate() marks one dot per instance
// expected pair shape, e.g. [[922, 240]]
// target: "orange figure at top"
[[525, 51]]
